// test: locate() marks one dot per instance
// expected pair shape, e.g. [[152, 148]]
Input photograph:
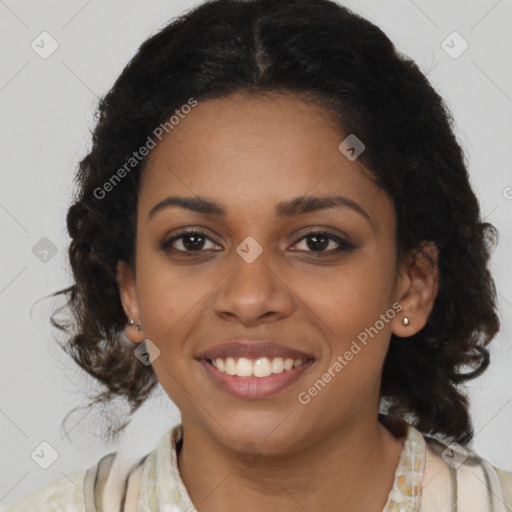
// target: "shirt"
[[429, 477]]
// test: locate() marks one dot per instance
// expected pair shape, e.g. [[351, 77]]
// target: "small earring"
[[138, 326], [405, 321]]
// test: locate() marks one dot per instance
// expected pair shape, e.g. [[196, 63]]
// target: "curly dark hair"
[[324, 52]]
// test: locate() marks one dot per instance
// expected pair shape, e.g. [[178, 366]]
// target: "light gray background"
[[46, 111]]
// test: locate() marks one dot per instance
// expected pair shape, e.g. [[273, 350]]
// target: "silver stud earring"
[[137, 326], [405, 321]]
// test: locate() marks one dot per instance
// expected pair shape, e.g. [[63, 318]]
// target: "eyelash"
[[343, 244]]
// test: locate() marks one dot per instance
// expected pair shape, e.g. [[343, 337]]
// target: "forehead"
[[252, 150]]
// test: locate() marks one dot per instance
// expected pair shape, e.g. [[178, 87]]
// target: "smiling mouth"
[[253, 379], [261, 367]]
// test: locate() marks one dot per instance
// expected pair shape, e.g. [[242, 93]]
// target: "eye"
[[190, 241], [318, 241], [194, 241]]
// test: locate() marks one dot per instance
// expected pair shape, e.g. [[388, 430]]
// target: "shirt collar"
[[163, 489]]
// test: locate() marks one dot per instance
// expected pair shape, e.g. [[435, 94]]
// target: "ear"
[[417, 287], [128, 294]]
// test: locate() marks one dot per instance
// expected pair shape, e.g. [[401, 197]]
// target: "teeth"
[[277, 365], [262, 367], [244, 367], [230, 367]]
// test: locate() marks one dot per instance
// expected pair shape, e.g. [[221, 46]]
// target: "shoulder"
[[80, 491], [66, 493], [454, 474], [112, 483]]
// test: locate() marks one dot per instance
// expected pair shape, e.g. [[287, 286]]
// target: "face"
[[315, 277]]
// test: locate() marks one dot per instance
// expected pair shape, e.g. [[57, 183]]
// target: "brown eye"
[[319, 241], [190, 241]]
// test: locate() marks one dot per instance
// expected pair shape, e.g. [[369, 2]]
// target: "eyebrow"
[[284, 209]]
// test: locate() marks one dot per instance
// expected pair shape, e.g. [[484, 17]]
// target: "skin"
[[250, 153]]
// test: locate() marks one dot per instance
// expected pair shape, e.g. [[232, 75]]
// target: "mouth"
[[253, 379], [253, 369]]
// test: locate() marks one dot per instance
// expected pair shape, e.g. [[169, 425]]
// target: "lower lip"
[[254, 387]]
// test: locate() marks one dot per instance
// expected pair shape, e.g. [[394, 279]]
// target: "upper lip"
[[252, 350]]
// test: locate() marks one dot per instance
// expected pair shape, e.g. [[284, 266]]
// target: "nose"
[[253, 293]]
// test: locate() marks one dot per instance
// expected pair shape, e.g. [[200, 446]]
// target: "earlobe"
[[128, 295], [417, 290]]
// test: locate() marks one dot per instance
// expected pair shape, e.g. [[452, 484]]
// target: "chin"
[[262, 434]]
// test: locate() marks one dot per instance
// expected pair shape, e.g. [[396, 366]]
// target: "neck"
[[351, 469]]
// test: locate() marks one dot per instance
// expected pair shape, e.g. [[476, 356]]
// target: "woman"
[[277, 214]]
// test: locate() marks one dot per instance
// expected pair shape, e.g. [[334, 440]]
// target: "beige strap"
[[506, 486], [103, 475], [132, 489], [89, 485], [455, 489], [95, 482], [112, 489]]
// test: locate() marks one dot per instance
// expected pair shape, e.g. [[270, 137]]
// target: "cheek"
[[353, 295], [355, 305], [169, 305], [166, 291], [349, 306], [169, 298]]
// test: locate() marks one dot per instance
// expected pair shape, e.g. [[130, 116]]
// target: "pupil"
[[193, 245], [322, 245]]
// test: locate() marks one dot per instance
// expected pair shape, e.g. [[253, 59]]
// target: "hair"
[[323, 52]]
